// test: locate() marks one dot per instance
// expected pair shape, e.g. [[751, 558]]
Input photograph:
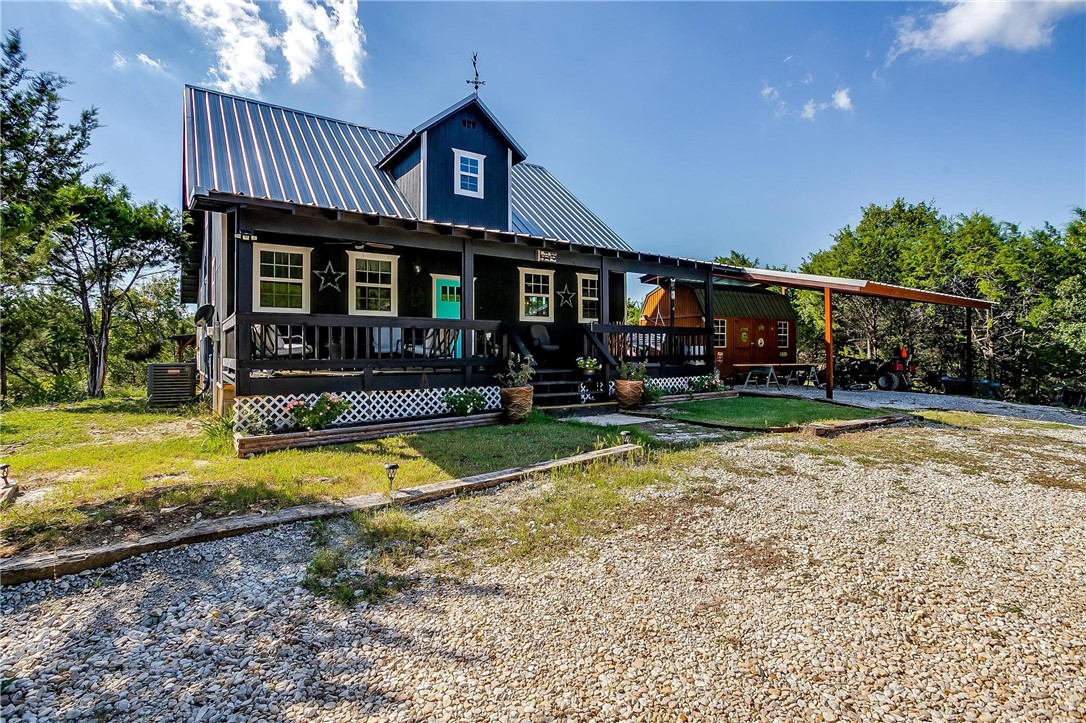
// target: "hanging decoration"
[[329, 277], [566, 295]]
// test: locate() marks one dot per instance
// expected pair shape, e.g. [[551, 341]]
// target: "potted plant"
[[589, 365], [630, 385], [516, 392]]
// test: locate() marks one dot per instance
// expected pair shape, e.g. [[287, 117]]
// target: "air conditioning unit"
[[171, 385]]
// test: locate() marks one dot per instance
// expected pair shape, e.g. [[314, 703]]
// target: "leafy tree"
[[150, 313], [38, 155], [108, 244], [634, 309]]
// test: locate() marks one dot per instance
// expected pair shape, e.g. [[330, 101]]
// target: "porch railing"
[[671, 345], [281, 342]]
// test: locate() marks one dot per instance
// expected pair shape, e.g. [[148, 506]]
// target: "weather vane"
[[476, 82]]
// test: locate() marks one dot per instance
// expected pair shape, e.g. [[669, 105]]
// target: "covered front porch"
[[312, 303]]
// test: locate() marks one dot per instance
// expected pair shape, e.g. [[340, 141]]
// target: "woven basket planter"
[[628, 392], [517, 402]]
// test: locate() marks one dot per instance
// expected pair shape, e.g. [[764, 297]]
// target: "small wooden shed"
[[751, 325]]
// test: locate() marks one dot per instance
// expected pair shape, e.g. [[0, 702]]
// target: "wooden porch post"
[[709, 314], [243, 340], [467, 302], [828, 298], [969, 349], [605, 312]]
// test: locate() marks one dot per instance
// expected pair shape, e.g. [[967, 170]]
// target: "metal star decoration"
[[566, 296], [329, 277]]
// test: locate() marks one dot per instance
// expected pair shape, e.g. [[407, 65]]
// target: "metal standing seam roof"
[[249, 148], [747, 304]]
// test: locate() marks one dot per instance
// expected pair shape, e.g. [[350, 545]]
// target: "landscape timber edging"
[[823, 429], [43, 566], [693, 397], [246, 444]]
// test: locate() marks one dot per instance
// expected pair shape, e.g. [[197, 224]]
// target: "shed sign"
[[544, 255]]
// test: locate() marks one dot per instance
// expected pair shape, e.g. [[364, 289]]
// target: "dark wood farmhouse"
[[329, 256], [751, 325]]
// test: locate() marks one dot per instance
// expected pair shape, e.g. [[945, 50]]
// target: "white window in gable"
[[720, 333], [536, 295], [280, 278], [467, 173], [590, 297], [782, 334], [373, 284]]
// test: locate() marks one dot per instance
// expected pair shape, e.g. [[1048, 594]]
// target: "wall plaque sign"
[[545, 255]]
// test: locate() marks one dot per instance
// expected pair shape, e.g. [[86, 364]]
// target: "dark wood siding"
[[408, 175], [442, 204]]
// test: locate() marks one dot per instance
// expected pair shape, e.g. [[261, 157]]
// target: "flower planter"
[[628, 393], [517, 402]]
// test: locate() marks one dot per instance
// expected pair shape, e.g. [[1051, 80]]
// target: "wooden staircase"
[[567, 391]]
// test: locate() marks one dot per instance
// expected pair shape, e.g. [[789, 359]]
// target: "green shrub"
[[465, 402], [325, 410]]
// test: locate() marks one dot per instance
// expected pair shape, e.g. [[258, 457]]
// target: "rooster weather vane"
[[475, 66]]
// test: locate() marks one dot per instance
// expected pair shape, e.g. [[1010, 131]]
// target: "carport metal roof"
[[860, 287]]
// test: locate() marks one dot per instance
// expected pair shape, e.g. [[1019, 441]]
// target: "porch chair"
[[272, 344], [436, 343], [541, 340], [387, 340]]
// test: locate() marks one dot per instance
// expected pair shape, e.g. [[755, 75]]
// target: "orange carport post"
[[827, 297]]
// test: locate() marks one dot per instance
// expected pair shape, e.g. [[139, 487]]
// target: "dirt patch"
[[763, 554], [1052, 481]]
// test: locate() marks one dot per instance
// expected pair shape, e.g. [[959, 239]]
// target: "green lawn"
[[101, 462], [765, 412]]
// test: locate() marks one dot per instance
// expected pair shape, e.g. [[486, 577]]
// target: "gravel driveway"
[[917, 400], [905, 574]]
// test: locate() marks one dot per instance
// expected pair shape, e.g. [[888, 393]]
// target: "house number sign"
[[544, 255]]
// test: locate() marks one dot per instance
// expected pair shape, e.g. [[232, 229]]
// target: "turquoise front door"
[[447, 300]]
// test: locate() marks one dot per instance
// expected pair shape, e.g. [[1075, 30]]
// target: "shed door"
[[764, 341], [743, 342]]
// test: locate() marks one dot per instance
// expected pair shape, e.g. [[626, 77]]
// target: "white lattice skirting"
[[268, 413], [675, 385]]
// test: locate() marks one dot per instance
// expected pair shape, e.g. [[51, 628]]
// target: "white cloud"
[[119, 61], [842, 100], [243, 41], [240, 38], [974, 28], [152, 63], [811, 109], [335, 22], [769, 93]]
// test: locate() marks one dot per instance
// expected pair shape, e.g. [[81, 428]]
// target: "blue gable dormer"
[[457, 167]]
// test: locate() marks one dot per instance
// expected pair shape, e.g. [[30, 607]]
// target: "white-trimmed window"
[[536, 295], [782, 334], [589, 302], [720, 333], [280, 278], [373, 284], [467, 173]]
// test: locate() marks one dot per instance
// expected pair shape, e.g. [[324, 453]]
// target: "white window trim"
[[725, 334], [787, 334], [352, 256], [581, 318], [257, 278], [457, 155], [521, 294]]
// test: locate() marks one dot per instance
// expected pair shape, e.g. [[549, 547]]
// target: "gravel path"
[[918, 400], [783, 580]]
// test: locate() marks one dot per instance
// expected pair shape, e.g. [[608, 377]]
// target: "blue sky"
[[691, 129]]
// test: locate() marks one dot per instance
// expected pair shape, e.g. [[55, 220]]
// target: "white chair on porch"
[[272, 344]]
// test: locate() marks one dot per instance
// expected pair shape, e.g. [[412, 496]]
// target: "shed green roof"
[[747, 303]]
